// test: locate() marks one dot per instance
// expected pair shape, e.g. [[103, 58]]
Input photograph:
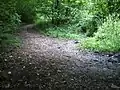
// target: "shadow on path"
[[44, 63]]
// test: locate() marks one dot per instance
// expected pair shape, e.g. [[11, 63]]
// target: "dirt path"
[[45, 63]]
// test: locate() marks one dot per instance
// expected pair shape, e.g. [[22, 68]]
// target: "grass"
[[63, 31]]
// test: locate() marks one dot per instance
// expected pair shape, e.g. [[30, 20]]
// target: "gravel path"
[[45, 63]]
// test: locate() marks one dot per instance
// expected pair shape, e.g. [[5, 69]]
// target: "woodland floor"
[[46, 63]]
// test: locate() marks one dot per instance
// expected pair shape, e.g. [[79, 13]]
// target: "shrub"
[[8, 22], [27, 10], [86, 21], [107, 38]]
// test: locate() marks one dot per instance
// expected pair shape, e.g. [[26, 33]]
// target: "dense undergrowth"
[[67, 31], [72, 19], [107, 38], [9, 21]]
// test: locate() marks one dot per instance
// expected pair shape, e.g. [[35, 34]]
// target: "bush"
[[107, 38], [8, 22], [27, 10], [86, 21]]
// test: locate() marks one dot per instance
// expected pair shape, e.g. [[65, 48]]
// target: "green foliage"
[[107, 38], [114, 6], [8, 23], [63, 31], [86, 22], [57, 11], [91, 14], [27, 10], [64, 18]]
